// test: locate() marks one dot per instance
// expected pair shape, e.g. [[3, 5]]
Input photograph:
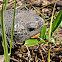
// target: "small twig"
[[48, 4], [29, 54], [14, 59], [9, 4]]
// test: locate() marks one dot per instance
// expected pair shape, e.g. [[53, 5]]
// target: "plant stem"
[[4, 35], [50, 33], [25, 6], [57, 34], [51, 17], [39, 12], [12, 29]]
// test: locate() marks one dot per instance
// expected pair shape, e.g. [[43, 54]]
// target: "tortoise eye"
[[31, 29]]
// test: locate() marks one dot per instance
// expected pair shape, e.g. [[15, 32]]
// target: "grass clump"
[[4, 6]]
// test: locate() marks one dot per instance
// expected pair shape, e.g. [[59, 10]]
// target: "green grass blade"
[[39, 12], [24, 6], [56, 22], [43, 31], [50, 7], [61, 24], [5, 2], [4, 36], [50, 18], [12, 28], [50, 33]]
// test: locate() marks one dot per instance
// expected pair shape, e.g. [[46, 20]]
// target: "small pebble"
[[58, 8], [45, 10], [44, 3]]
